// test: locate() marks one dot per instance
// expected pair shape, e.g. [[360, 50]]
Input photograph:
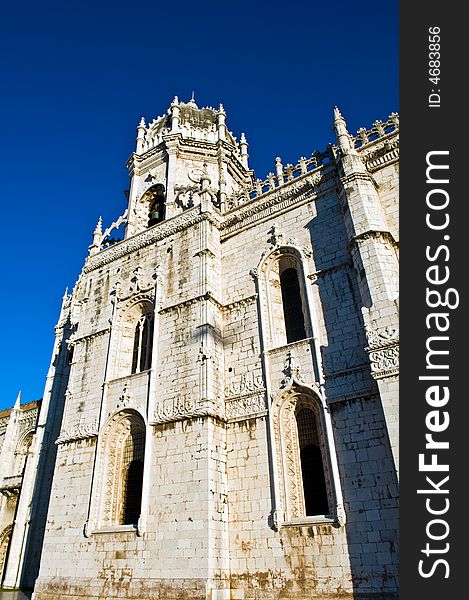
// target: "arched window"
[[157, 205], [118, 495], [312, 466], [22, 453], [143, 342], [133, 341], [308, 487], [292, 305], [283, 298]]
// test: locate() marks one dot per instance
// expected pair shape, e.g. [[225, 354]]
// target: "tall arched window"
[[312, 466], [118, 496], [133, 341], [283, 298], [143, 342], [292, 305], [307, 484]]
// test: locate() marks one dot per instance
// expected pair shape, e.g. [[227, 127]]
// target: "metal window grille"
[[312, 466], [133, 455], [292, 306]]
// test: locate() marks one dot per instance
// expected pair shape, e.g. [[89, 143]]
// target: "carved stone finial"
[[363, 135], [394, 118], [192, 101], [343, 137], [337, 114], [99, 226], [142, 123], [175, 101], [221, 110], [379, 128]]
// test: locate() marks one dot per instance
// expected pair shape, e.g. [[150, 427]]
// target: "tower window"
[[157, 206], [292, 305], [312, 467], [142, 347]]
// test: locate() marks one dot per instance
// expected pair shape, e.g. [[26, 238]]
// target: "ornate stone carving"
[[380, 337], [385, 362], [80, 431], [292, 371], [244, 406], [140, 283], [28, 419], [291, 497], [179, 408], [246, 384], [383, 349], [274, 201], [145, 238]]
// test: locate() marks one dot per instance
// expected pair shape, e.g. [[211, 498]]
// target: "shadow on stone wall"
[[366, 466], [45, 470]]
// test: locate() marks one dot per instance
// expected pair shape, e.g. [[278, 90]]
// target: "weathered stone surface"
[[217, 391]]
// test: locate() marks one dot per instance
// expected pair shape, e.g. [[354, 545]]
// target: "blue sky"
[[77, 77]]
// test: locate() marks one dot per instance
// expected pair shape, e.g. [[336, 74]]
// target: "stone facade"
[[240, 329]]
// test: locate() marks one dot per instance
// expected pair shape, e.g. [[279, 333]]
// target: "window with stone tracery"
[[132, 351], [284, 298], [22, 453], [293, 315], [118, 493], [305, 484], [143, 341]]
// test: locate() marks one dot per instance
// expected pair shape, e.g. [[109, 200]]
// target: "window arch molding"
[[111, 493], [23, 450], [290, 501], [127, 358], [272, 305], [5, 537]]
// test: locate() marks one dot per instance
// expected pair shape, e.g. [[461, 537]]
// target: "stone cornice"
[[240, 302], [202, 297], [373, 234], [78, 432], [78, 340], [182, 408], [314, 276], [149, 236]]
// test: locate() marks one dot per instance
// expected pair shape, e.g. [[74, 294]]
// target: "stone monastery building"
[[219, 419]]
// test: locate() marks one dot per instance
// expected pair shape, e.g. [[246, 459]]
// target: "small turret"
[[279, 170], [175, 115], [344, 139], [243, 145], [97, 237], [141, 136], [221, 118]]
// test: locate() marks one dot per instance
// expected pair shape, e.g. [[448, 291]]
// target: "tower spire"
[[18, 401], [340, 127]]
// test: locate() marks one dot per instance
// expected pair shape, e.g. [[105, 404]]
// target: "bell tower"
[[177, 155]]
